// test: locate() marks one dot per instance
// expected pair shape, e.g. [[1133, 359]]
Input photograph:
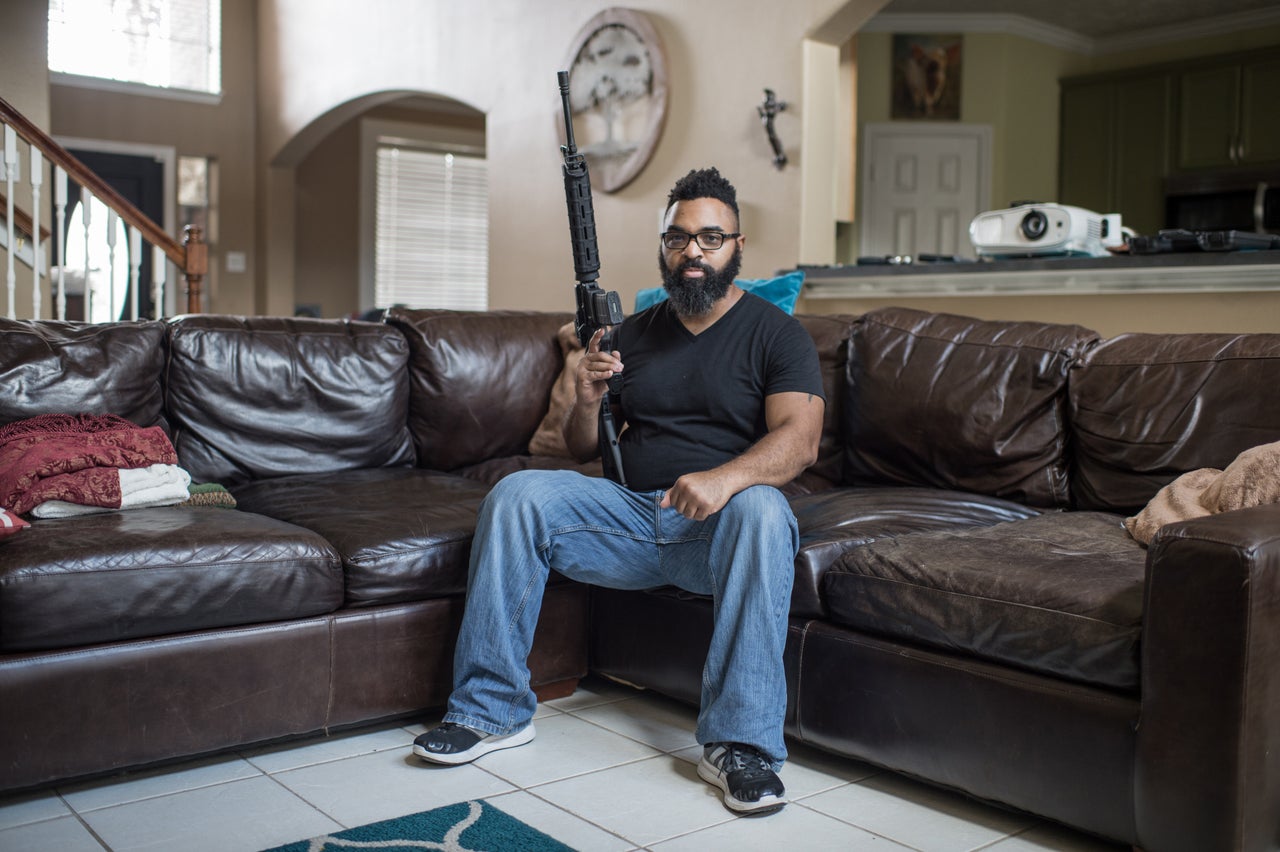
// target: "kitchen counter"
[[1182, 272]]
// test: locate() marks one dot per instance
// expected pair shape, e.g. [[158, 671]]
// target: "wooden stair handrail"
[[191, 255]]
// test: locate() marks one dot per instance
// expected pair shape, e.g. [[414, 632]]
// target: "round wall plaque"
[[618, 91]]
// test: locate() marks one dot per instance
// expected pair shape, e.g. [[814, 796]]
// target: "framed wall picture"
[[618, 91], [926, 77]]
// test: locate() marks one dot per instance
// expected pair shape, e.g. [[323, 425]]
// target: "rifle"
[[596, 308]]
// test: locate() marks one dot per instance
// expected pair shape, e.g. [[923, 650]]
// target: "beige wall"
[[24, 68], [327, 220], [24, 83], [224, 131], [1008, 82], [320, 65]]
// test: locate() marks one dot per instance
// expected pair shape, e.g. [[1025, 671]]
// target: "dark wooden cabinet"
[[1114, 151], [1124, 133], [1227, 113], [1087, 125]]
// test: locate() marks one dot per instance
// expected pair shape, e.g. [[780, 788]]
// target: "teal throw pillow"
[[782, 291]]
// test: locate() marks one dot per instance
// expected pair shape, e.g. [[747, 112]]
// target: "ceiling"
[[1090, 18]]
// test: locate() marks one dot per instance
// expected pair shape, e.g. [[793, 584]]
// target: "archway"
[[332, 164]]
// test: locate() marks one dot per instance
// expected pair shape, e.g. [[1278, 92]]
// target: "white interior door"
[[922, 184]]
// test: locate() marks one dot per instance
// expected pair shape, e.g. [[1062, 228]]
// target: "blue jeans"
[[595, 531]]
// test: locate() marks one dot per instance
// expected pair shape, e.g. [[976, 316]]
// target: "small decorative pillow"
[[10, 523], [548, 440], [783, 291]]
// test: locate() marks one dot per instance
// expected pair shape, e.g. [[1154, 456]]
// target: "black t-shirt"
[[692, 402]]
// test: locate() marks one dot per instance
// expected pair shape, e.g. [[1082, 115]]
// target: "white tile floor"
[[611, 769]]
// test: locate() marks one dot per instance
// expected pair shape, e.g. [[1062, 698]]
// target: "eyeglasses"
[[707, 240]]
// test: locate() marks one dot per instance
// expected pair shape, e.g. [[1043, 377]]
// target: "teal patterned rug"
[[464, 827]]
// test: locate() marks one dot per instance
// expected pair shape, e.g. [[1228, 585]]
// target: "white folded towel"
[[140, 488]]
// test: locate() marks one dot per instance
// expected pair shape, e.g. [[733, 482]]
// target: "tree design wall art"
[[618, 91]]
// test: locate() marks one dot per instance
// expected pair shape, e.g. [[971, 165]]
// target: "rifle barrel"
[[563, 78]]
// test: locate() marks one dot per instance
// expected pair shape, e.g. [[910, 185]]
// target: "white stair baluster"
[[112, 218], [135, 270], [37, 180], [86, 207], [10, 175], [60, 216], [159, 263]]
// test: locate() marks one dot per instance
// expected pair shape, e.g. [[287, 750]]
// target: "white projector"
[[1026, 230]]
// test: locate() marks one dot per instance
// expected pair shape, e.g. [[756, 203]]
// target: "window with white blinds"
[[171, 45], [431, 230]]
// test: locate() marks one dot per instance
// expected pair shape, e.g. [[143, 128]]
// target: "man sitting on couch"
[[721, 402]]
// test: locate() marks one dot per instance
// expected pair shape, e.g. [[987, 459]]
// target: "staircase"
[[24, 239], [24, 251]]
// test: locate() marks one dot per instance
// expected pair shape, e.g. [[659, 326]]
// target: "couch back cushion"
[[1147, 408], [259, 397], [51, 367], [830, 335], [955, 402], [480, 381]]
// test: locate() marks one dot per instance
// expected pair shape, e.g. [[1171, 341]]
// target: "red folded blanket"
[[74, 457]]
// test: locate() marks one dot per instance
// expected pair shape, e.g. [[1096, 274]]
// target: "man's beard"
[[694, 297]]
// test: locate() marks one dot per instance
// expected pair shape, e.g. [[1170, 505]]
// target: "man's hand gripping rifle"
[[597, 308]]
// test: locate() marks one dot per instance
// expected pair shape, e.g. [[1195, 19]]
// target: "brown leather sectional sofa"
[[968, 608]]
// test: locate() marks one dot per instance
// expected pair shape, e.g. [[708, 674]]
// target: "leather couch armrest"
[[1208, 767]]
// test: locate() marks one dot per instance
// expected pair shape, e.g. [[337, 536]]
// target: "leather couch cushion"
[[480, 382], [1147, 408], [954, 402], [840, 519], [404, 534], [154, 572], [50, 367], [1058, 594], [252, 398]]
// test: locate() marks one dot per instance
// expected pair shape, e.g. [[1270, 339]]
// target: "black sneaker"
[[453, 744], [750, 786]]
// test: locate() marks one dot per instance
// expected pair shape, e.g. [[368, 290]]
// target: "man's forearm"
[[776, 459], [581, 431], [782, 454]]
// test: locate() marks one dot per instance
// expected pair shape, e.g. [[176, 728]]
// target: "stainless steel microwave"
[[1224, 201]]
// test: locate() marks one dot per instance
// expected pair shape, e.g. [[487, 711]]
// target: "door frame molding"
[[874, 131], [167, 156]]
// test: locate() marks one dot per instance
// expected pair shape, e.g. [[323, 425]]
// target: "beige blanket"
[[1253, 479]]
